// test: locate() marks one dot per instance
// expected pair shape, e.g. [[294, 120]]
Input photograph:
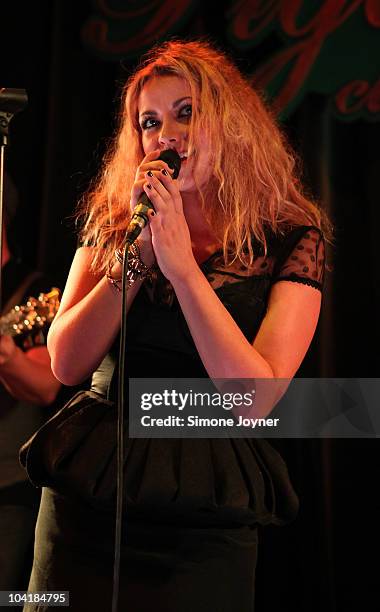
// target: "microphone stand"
[[11, 102], [138, 222], [5, 119]]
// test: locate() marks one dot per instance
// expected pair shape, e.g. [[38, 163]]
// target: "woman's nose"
[[170, 134]]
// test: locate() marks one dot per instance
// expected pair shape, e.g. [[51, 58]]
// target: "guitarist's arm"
[[27, 376]]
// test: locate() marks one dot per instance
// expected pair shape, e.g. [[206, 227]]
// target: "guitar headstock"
[[28, 323]]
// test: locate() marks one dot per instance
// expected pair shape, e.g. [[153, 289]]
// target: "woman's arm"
[[284, 335], [279, 347], [88, 319], [27, 376], [293, 310]]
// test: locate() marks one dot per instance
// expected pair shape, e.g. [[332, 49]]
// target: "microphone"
[[12, 100], [140, 212]]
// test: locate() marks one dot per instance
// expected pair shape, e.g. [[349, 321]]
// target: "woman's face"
[[164, 109]]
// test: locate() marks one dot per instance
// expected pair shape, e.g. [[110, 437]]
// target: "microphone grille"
[[171, 157]]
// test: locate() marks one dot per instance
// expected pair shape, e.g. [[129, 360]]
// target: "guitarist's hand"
[[7, 349]]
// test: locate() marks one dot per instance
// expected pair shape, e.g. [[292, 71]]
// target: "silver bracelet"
[[115, 282], [137, 269]]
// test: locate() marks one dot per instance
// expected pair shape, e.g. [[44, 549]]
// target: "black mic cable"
[[137, 224]]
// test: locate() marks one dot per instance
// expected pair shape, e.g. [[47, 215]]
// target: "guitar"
[[28, 324]]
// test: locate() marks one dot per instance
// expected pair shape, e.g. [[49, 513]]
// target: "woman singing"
[[228, 284]]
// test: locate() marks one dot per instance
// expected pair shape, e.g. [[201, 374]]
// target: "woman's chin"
[[186, 183]]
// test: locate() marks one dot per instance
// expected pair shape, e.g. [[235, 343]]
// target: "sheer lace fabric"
[[297, 257]]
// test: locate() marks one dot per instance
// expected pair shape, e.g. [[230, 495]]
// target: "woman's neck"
[[203, 240]]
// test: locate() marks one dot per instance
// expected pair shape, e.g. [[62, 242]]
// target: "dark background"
[[321, 561]]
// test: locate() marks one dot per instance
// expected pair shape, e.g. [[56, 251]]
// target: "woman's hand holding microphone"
[[166, 237]]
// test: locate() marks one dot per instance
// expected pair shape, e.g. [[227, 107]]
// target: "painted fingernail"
[[164, 171], [149, 186], [150, 173]]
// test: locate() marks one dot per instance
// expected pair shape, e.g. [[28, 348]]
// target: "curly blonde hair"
[[254, 173]]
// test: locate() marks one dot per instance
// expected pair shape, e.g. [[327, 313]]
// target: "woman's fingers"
[[137, 189], [151, 162], [163, 185], [156, 165], [156, 173]]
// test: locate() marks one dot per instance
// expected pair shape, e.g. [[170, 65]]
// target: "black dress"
[[193, 505]]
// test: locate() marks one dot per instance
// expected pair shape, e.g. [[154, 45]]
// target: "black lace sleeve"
[[303, 258]]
